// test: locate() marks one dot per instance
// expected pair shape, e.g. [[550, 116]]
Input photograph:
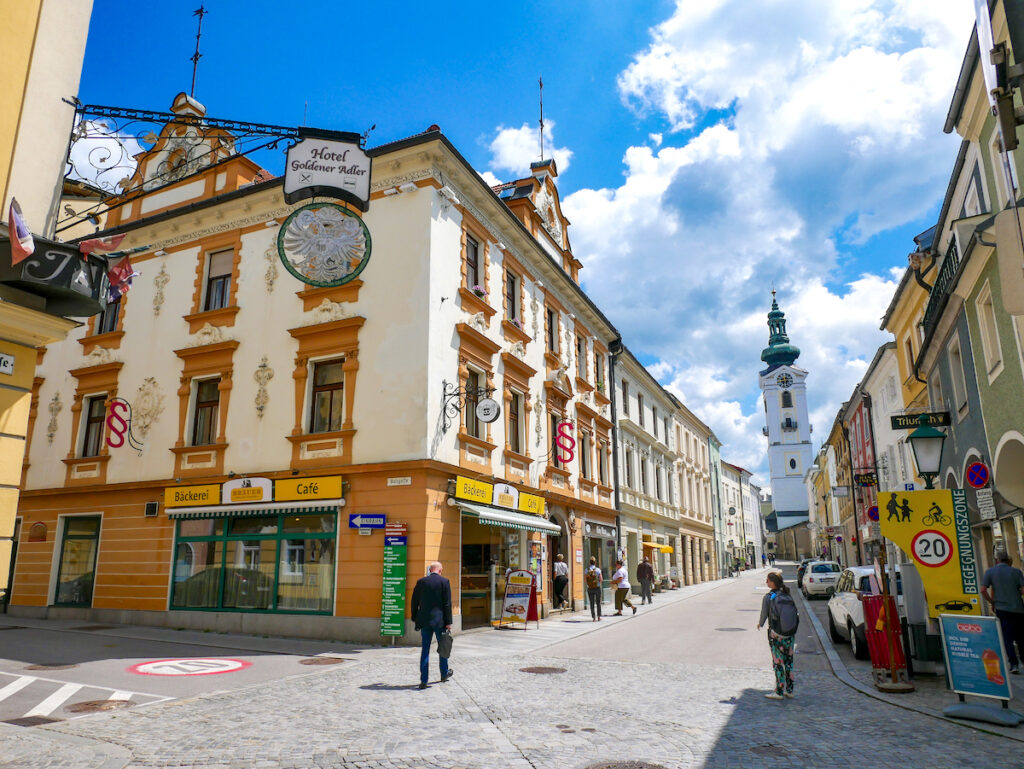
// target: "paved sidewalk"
[[930, 693]]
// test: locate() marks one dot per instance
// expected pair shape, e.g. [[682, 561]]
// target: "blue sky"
[[707, 150]]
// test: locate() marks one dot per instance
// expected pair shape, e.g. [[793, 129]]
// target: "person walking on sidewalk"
[[561, 580], [764, 560], [592, 576], [778, 608], [621, 582], [645, 573], [432, 615], [1003, 586]]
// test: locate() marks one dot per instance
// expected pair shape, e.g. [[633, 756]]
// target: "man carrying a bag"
[[432, 614]]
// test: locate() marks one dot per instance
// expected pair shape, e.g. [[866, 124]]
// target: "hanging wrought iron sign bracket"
[[453, 400]]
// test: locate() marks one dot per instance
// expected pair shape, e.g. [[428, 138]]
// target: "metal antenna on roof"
[[197, 56], [540, 82]]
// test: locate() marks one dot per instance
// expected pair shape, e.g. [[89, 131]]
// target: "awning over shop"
[[496, 516], [311, 507], [656, 546]]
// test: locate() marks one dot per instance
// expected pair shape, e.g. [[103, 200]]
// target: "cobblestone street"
[[368, 714]]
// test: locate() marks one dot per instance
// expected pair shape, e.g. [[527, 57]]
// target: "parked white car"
[[820, 578], [846, 612]]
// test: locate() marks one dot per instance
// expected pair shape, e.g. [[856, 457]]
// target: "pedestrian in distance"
[[764, 560], [432, 615], [622, 586], [1003, 587], [779, 610], [592, 576], [561, 580], [645, 574], [735, 566]]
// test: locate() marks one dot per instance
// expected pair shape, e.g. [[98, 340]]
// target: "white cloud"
[[831, 135], [513, 149], [491, 179]]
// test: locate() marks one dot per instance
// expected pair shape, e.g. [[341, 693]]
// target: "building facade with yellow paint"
[[244, 385]]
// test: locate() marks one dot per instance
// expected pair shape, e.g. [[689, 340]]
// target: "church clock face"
[[785, 381]]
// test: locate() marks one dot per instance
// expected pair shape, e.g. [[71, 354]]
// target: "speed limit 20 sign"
[[931, 548]]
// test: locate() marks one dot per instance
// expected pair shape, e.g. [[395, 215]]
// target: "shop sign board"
[[520, 601], [913, 421], [298, 489], [328, 163], [6, 364], [247, 490], [392, 604], [488, 410], [865, 479], [531, 503], [474, 491], [933, 527], [191, 496], [506, 495], [975, 657], [986, 505]]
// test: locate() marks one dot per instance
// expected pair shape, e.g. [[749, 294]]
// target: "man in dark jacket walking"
[[432, 613], [645, 575]]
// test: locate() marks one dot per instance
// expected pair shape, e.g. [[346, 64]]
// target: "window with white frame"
[[657, 482], [668, 485], [602, 463], [512, 287], [643, 474], [640, 408], [629, 468], [556, 453], [585, 454], [473, 395], [989, 332], [654, 421], [956, 373], [515, 422], [625, 398]]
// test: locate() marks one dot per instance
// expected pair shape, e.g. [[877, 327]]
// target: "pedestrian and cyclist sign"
[[933, 528]]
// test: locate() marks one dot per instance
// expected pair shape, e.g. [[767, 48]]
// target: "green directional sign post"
[[392, 605]]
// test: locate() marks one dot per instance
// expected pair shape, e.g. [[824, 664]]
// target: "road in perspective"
[[680, 684]]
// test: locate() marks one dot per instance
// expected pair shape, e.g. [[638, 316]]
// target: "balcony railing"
[[940, 290]]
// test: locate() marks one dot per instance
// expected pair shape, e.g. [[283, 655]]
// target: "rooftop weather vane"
[[197, 56], [540, 82]]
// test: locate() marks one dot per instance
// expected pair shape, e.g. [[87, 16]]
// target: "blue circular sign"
[[873, 512], [977, 475]]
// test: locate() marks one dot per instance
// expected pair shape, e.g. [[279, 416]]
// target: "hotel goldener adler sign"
[[328, 163]]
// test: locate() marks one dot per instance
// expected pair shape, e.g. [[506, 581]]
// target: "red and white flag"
[[22, 244], [120, 278], [101, 245]]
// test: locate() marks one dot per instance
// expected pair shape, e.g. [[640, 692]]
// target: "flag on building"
[[101, 245], [120, 278], [22, 245]]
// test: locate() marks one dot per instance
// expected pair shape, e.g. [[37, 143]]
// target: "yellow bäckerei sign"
[[934, 529], [191, 496], [482, 492]]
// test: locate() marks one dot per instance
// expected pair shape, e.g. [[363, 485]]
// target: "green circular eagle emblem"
[[324, 244]]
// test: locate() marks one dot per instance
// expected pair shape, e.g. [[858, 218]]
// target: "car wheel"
[[858, 643], [833, 631]]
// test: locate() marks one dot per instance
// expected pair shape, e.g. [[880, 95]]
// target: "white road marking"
[[120, 696], [54, 701], [16, 686]]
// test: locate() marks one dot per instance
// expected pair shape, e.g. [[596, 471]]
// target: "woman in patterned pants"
[[781, 645]]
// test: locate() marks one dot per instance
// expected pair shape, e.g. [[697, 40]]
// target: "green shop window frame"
[[224, 539], [78, 531]]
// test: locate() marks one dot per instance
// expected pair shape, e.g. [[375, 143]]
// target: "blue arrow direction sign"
[[363, 521], [394, 541]]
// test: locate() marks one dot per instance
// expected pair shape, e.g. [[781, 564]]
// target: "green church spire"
[[779, 351]]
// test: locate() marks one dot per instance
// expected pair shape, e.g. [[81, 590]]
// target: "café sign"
[[328, 163]]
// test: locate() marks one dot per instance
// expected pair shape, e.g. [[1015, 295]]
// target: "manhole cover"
[[321, 661], [770, 750], [729, 629], [98, 706], [542, 670], [31, 721], [625, 765], [51, 666], [95, 627]]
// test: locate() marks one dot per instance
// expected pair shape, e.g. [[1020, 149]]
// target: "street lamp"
[[926, 442]]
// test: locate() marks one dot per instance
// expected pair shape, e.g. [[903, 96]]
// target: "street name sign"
[[912, 421], [364, 521]]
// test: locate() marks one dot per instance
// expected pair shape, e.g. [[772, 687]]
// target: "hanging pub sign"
[[506, 495], [913, 421], [324, 244], [328, 163]]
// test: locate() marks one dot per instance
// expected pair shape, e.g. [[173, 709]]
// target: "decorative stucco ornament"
[[518, 349], [54, 409], [99, 356], [545, 205], [538, 407], [160, 281], [208, 334], [263, 374], [535, 308], [328, 311], [148, 406], [323, 244], [479, 322], [271, 274]]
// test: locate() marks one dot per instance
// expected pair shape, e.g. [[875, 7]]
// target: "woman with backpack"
[[779, 610], [592, 576]]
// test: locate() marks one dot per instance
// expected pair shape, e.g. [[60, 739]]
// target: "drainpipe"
[[874, 453], [614, 351]]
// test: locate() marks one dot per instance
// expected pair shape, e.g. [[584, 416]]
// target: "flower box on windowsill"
[[514, 333], [472, 303]]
